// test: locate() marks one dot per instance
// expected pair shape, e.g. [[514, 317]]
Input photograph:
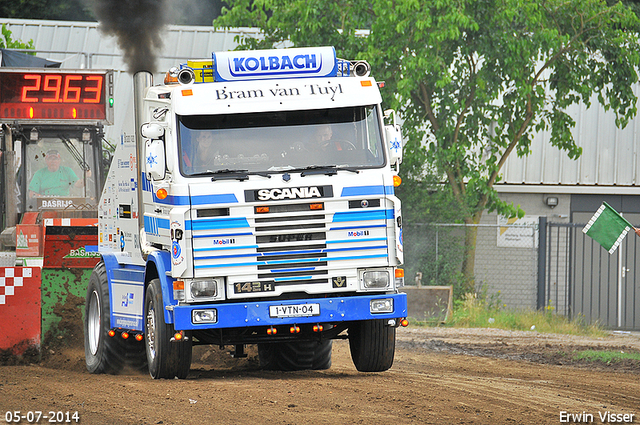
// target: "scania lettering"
[[257, 206], [286, 193]]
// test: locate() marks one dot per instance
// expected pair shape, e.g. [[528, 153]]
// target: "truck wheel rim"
[[151, 331], [93, 323]]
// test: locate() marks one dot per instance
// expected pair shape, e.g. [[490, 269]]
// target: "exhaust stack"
[[142, 80]]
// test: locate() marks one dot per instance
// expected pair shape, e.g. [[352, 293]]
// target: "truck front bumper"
[[276, 313]]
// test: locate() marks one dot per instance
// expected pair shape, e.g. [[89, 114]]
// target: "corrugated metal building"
[[609, 160]]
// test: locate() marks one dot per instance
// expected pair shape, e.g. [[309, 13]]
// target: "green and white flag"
[[607, 227]]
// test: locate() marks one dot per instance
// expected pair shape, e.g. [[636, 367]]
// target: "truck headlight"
[[375, 279], [203, 288], [384, 305]]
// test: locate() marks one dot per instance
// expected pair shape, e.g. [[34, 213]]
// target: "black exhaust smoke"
[[137, 25]]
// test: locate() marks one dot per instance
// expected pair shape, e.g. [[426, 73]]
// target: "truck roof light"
[[397, 181], [170, 79], [171, 76]]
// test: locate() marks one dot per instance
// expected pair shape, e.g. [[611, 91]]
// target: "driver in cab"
[[54, 179], [323, 140]]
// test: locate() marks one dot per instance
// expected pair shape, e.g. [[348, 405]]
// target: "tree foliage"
[[473, 79], [7, 41], [302, 23]]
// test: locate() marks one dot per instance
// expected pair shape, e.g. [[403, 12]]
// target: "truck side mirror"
[[154, 153], [155, 161], [393, 136], [152, 131]]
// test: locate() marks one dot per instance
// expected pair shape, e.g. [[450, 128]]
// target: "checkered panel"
[[12, 278], [20, 304]]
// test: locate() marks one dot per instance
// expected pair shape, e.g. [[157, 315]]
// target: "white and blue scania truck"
[[254, 205]]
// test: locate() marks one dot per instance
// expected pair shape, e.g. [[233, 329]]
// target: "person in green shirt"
[[54, 179]]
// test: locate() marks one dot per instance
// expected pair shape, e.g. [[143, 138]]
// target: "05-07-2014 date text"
[[36, 416]]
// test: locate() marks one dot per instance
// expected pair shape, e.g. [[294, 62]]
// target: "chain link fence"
[[506, 259]]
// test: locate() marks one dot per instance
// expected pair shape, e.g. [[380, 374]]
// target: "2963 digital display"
[[37, 95]]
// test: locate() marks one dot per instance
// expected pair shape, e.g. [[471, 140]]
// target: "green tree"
[[322, 23], [473, 79], [7, 42]]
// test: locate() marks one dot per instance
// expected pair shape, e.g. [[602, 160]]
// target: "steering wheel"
[[340, 144]]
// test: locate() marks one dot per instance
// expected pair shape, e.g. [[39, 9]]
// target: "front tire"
[[103, 354], [290, 356], [166, 359], [372, 344]]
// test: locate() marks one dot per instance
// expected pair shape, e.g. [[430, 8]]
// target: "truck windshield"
[[280, 141]]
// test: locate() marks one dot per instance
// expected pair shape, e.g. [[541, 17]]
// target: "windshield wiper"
[[348, 168], [203, 173], [261, 174], [229, 174], [329, 170], [229, 171], [223, 174]]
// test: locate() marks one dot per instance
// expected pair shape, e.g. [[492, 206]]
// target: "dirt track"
[[440, 376]]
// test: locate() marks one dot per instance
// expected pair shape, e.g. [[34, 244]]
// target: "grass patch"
[[605, 356], [489, 312]]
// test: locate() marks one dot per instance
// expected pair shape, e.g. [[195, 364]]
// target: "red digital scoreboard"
[[56, 95]]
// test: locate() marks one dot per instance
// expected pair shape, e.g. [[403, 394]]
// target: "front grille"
[[290, 237], [288, 245], [301, 226], [284, 250]]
